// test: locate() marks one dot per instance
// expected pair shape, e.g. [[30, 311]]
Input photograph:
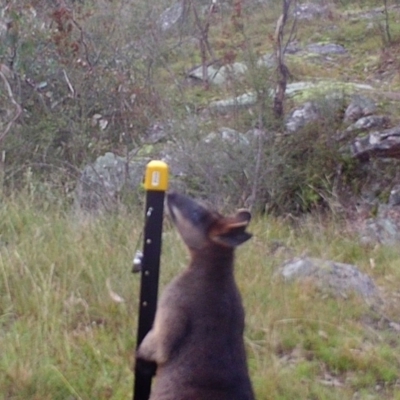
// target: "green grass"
[[63, 337]]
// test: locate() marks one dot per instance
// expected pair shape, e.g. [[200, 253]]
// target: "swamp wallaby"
[[197, 336]]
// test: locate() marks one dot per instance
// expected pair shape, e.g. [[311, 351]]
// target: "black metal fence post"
[[156, 184]]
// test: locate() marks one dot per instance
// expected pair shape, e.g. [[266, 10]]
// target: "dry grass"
[[64, 337]]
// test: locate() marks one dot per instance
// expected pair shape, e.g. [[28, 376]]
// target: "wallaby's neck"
[[216, 260]]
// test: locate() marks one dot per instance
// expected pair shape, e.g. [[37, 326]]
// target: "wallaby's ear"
[[231, 231], [242, 217]]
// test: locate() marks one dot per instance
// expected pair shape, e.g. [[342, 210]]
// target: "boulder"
[[249, 99], [304, 90], [384, 228], [369, 122], [309, 11], [267, 60], [302, 116], [158, 131], [101, 182], [171, 16], [360, 106], [226, 134], [394, 198], [383, 144], [326, 48], [219, 76], [330, 276], [242, 101]]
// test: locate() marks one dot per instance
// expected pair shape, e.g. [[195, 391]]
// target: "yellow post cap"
[[156, 177]]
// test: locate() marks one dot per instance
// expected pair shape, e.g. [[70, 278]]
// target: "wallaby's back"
[[197, 336]]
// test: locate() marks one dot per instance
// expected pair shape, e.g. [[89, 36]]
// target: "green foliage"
[[305, 166], [92, 76], [80, 93]]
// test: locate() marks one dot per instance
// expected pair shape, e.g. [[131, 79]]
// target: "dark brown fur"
[[197, 336]]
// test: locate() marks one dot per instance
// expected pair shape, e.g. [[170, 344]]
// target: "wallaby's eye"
[[198, 216]]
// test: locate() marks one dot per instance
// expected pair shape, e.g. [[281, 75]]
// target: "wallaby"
[[197, 336]]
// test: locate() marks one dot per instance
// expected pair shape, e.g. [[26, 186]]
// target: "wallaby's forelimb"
[[168, 330]]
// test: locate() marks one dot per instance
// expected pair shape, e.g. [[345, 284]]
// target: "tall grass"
[[63, 335]]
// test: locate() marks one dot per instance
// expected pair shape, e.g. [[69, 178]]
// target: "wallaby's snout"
[[181, 207], [198, 225]]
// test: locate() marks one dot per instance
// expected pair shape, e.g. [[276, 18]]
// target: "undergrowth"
[[65, 333]]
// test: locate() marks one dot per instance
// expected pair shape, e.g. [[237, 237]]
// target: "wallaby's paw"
[[146, 353], [151, 350], [147, 349]]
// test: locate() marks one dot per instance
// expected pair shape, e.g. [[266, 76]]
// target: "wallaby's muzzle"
[[181, 207]]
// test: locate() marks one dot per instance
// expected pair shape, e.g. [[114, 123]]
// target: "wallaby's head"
[[199, 226]]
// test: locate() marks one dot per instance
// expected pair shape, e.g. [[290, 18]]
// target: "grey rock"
[[226, 134], [394, 198], [244, 100], [330, 276], [308, 11], [326, 49], [292, 48], [101, 182], [219, 76], [249, 99], [384, 229], [267, 60], [259, 133], [369, 14], [211, 73], [158, 131], [360, 106], [171, 16], [383, 144], [302, 116], [368, 122]]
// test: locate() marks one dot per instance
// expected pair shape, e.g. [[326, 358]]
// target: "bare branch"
[[282, 70], [292, 33], [82, 40], [18, 108], [70, 87], [204, 42]]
